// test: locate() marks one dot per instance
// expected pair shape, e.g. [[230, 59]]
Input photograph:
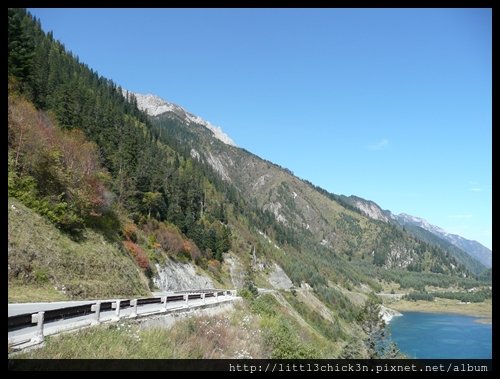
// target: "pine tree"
[[20, 46]]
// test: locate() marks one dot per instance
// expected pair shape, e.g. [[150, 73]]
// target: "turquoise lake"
[[438, 335]]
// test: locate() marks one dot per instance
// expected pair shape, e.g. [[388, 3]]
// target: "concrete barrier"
[[164, 301], [117, 311], [97, 309], [38, 318], [133, 303]]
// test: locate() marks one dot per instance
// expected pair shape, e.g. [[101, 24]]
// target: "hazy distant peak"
[[473, 248], [422, 223]]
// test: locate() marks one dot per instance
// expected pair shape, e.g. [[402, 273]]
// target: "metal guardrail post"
[[38, 318], [134, 311], [216, 297], [186, 298]]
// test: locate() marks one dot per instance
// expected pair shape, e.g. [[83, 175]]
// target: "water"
[[439, 335]]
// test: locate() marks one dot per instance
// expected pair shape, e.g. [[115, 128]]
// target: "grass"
[[19, 293], [260, 328], [41, 257], [483, 310], [234, 334], [328, 328]]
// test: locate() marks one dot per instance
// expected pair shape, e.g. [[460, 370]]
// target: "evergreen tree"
[[20, 45]]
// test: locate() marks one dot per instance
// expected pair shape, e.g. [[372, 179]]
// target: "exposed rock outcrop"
[[387, 314], [279, 279], [176, 276]]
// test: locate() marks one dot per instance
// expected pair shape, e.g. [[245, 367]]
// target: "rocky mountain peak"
[[154, 106]]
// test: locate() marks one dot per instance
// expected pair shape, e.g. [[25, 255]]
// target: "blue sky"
[[389, 105]]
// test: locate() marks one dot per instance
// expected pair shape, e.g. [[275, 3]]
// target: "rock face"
[[370, 209], [387, 314], [279, 279], [154, 106], [236, 270], [176, 276]]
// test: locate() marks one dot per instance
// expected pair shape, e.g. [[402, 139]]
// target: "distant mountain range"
[[473, 248]]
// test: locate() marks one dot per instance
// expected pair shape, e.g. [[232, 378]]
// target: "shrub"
[[55, 172], [138, 253], [130, 232], [214, 266], [414, 296], [169, 238]]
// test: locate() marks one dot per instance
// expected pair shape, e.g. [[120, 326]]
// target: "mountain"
[[154, 106], [424, 231], [304, 216], [367, 207], [101, 178], [473, 248]]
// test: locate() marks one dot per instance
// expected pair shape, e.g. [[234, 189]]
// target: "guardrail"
[[27, 320]]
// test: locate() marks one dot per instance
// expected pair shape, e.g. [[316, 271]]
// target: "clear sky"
[[389, 105]]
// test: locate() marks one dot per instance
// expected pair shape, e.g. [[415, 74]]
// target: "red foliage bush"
[[138, 253]]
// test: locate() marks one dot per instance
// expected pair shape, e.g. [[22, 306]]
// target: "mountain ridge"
[[306, 212], [146, 190], [158, 107], [471, 247], [154, 105]]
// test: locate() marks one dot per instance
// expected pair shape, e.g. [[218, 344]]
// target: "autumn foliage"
[[138, 253], [57, 172], [167, 236], [130, 232], [214, 266]]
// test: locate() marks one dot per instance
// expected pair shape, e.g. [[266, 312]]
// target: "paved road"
[[395, 296], [266, 290], [23, 335]]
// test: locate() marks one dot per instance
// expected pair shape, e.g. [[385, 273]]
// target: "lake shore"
[[482, 310]]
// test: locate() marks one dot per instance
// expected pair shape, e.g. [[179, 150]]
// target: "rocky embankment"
[[387, 314], [176, 276]]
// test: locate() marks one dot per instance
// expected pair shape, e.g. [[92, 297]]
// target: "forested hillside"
[[95, 171], [82, 155]]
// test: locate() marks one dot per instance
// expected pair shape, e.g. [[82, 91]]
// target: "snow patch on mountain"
[[155, 106]]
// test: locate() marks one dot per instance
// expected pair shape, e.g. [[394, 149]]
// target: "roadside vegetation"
[[234, 334]]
